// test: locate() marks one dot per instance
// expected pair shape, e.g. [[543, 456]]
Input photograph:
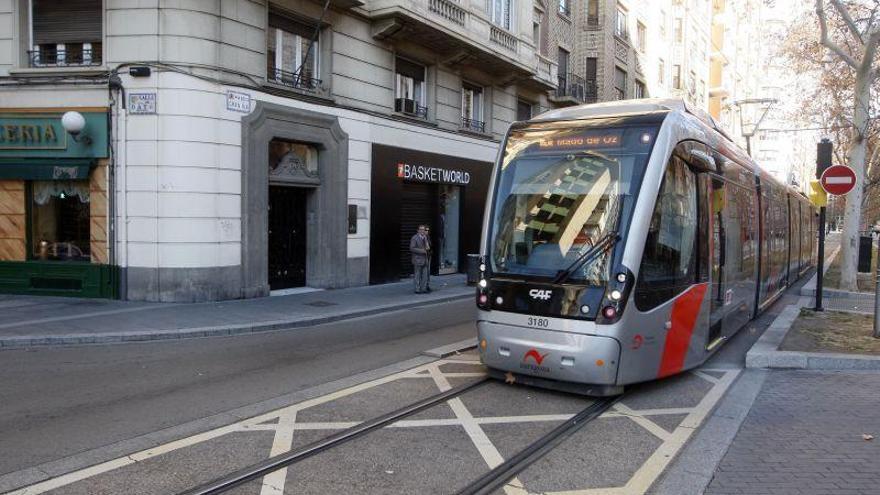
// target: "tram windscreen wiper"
[[604, 243]]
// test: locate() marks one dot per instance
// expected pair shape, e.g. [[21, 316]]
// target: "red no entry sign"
[[838, 180]]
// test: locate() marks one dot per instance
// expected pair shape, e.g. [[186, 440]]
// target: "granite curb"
[[72, 339], [765, 353]]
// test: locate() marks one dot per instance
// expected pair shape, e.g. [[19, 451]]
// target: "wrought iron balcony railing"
[[473, 125], [592, 22], [296, 80], [571, 85], [410, 107], [70, 57]]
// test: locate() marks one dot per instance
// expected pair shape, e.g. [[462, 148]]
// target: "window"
[[661, 72], [669, 259], [409, 93], [564, 7], [472, 108], [66, 33], [592, 77], [291, 55], [641, 36], [60, 220], [523, 110], [501, 13], [692, 83], [639, 89], [592, 14], [677, 30], [619, 83], [620, 25], [701, 94], [663, 24], [676, 76], [562, 58]]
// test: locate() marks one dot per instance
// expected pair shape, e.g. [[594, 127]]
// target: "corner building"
[[233, 147]]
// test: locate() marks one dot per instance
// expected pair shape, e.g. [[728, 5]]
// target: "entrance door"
[[418, 206], [287, 237], [448, 228]]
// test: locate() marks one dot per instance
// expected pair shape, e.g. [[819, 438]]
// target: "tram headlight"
[[615, 295], [585, 309], [482, 267], [621, 277], [482, 283]]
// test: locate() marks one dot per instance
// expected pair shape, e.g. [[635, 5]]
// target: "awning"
[[45, 168]]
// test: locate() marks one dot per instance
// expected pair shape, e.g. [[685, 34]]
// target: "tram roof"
[[658, 106]]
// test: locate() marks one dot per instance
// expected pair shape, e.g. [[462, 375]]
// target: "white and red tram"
[[627, 241]]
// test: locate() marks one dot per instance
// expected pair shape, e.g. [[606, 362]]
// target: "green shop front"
[[54, 204]]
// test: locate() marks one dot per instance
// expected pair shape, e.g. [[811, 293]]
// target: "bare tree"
[[858, 51]]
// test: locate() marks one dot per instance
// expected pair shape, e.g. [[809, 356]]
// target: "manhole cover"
[[320, 304]]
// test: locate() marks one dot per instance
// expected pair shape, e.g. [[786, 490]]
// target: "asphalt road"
[[57, 402]]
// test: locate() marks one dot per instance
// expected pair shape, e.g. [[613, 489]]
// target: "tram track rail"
[[258, 470], [485, 484], [504, 472]]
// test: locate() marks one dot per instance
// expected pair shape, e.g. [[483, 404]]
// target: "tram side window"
[[669, 259]]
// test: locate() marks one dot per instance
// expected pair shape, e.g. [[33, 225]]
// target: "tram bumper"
[[549, 355]]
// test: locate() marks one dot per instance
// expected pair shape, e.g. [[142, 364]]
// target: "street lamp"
[[752, 101]]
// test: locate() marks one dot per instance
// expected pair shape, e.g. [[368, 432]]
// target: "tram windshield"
[[560, 192]]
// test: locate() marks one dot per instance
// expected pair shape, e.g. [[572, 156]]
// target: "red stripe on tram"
[[685, 310]]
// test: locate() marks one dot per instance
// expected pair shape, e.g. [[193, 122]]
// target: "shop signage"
[[142, 103], [238, 102], [41, 135], [421, 173]]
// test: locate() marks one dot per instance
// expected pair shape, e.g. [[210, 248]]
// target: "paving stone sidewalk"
[[30, 321], [803, 436]]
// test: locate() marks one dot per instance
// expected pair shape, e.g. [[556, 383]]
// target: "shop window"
[[65, 34], [292, 57], [409, 93], [472, 108], [59, 220], [669, 259]]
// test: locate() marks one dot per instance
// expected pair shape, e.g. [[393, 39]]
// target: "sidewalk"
[[33, 321]]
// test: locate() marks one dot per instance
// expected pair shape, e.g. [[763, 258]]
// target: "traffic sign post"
[[824, 155]]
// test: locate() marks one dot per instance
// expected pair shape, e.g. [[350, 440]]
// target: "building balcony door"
[[287, 237]]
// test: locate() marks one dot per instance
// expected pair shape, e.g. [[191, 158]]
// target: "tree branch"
[[826, 41], [850, 23]]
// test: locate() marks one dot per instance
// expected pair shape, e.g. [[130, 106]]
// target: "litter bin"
[[473, 269], [865, 252]]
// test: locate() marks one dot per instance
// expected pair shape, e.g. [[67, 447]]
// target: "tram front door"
[[287, 237]]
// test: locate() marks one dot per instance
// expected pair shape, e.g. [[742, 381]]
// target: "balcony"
[[461, 35], [410, 107], [294, 80], [573, 90], [70, 55], [545, 75], [473, 125]]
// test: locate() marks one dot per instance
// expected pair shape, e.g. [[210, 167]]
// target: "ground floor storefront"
[[54, 205]]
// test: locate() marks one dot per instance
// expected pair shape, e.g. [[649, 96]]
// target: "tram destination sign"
[[591, 139], [435, 175], [838, 180]]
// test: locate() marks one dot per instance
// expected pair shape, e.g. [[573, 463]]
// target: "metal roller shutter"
[[418, 206], [67, 21]]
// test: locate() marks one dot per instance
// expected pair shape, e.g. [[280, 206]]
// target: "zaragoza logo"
[[534, 354]]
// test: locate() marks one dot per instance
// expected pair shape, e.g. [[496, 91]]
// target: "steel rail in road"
[[498, 477], [275, 463]]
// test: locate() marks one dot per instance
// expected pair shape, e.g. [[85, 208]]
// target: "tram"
[[627, 241]]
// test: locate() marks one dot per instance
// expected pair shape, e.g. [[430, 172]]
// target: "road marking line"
[[704, 376], [642, 421], [273, 483]]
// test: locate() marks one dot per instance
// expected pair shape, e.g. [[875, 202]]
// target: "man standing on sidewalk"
[[419, 247], [430, 254]]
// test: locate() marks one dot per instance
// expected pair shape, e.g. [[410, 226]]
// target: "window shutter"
[[67, 21]]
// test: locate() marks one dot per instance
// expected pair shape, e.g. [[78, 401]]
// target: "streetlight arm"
[[826, 41]]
